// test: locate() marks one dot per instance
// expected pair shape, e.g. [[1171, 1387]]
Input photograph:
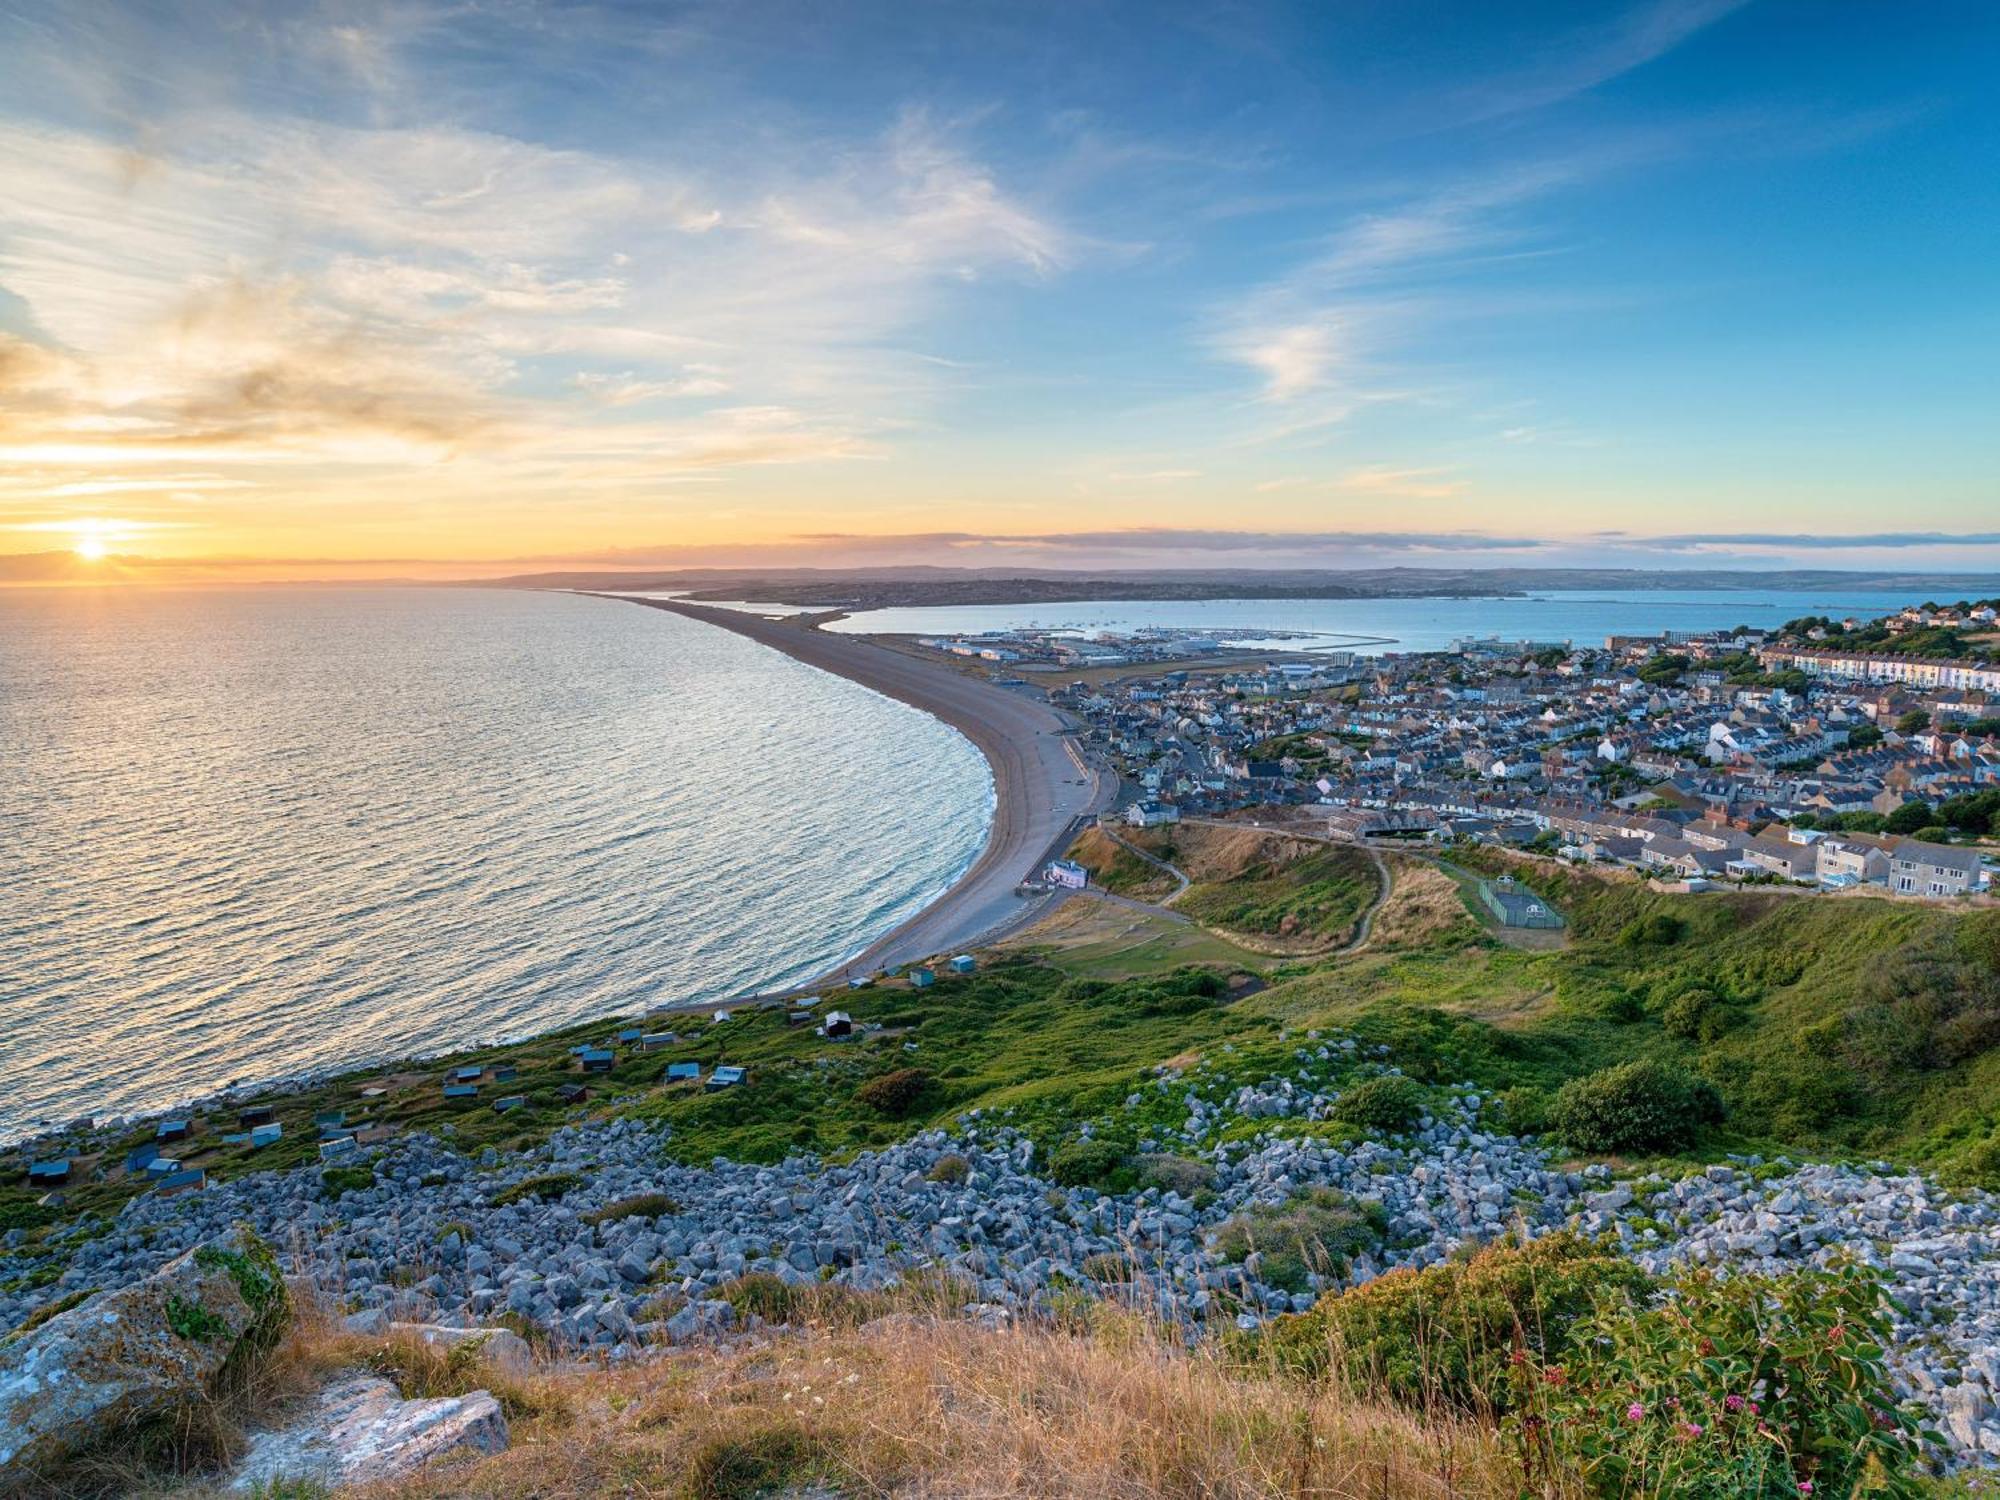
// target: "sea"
[[1373, 626], [256, 834]]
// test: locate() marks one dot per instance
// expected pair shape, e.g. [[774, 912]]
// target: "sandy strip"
[[1041, 785]]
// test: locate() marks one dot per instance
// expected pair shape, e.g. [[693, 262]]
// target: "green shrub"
[[1391, 1104], [638, 1206], [1695, 1016], [950, 1168], [1637, 1106], [1175, 1174], [1659, 930], [1447, 1333], [1315, 1231], [340, 1181], [761, 1293], [1751, 1387], [1085, 1162], [549, 1185], [1524, 1110], [895, 1094]]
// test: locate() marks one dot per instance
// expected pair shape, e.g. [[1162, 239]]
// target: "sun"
[[91, 548]]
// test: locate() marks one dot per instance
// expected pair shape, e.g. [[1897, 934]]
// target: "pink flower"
[[1732, 1403], [1805, 1486], [1634, 1412], [1690, 1430]]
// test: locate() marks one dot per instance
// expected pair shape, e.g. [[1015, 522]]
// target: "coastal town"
[[1830, 755]]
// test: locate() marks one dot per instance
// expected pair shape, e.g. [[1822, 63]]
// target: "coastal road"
[[1042, 786]]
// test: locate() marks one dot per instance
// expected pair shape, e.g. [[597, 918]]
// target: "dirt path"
[[1180, 875]]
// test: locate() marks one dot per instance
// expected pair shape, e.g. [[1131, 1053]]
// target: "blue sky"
[[1083, 284]]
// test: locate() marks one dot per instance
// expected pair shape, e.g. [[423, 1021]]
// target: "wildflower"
[[1554, 1375], [1839, 1333], [1805, 1487], [1634, 1412], [1690, 1431], [1732, 1402]]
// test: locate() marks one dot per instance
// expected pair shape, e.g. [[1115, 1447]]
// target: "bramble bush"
[[894, 1094], [1740, 1387], [1444, 1335], [1636, 1106], [1085, 1162]]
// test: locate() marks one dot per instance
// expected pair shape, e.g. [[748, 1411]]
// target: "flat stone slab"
[[360, 1429]]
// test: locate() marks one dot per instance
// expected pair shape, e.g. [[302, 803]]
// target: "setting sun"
[[90, 548]]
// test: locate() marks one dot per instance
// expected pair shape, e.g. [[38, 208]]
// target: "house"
[[1151, 814], [725, 1078], [1776, 855], [1918, 868], [1066, 873], [964, 964], [193, 1180], [596, 1059], [1848, 860], [683, 1072]]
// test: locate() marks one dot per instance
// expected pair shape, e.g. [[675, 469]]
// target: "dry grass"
[[1423, 905], [920, 1407]]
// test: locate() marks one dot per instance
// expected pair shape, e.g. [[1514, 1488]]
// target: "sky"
[[311, 288]]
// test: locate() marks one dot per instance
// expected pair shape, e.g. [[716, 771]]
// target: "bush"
[[895, 1094], [1524, 1110], [1660, 930], [1763, 1388], [549, 1185], [951, 1168], [1175, 1174], [340, 1181], [1317, 1231], [1637, 1106], [1085, 1162], [638, 1206], [1447, 1333], [1695, 1016], [1390, 1103]]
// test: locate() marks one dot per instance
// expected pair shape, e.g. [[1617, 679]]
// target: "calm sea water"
[[245, 834], [1409, 624]]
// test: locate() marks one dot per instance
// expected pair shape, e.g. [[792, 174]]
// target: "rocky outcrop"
[[136, 1353], [360, 1429]]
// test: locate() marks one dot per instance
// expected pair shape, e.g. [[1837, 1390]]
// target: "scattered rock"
[[360, 1429]]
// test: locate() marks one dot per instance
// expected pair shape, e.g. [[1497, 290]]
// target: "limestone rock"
[[136, 1352], [359, 1429], [504, 1347]]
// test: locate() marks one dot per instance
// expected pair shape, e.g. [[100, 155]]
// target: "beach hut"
[[511, 1103], [653, 1041], [725, 1078], [266, 1135], [255, 1115], [719, 1017], [162, 1166], [330, 1123], [338, 1147], [572, 1093], [505, 1073], [374, 1091], [683, 1072], [170, 1131], [839, 1024], [629, 1036], [471, 1073], [964, 964], [193, 1180], [922, 979], [859, 981], [138, 1156], [461, 1091], [798, 1018], [597, 1059], [48, 1173]]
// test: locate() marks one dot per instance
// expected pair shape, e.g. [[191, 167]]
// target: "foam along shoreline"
[[1041, 785]]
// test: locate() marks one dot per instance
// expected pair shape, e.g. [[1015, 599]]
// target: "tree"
[[1908, 818], [1913, 721]]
